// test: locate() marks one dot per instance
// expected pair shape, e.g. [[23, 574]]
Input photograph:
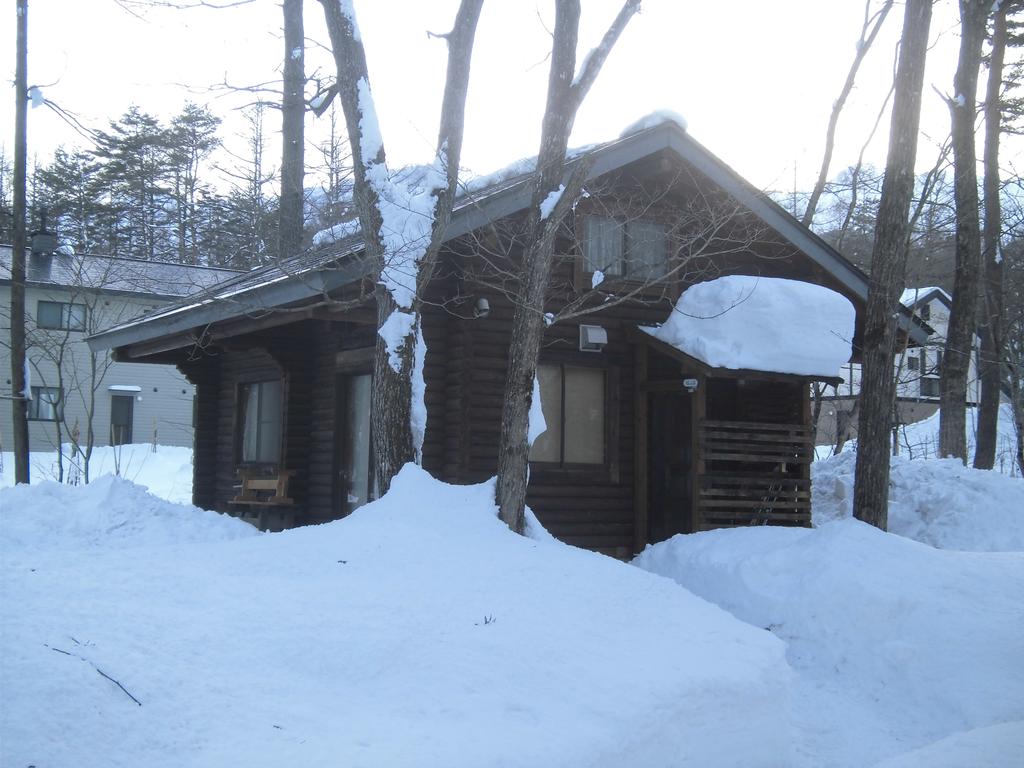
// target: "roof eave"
[[214, 309]]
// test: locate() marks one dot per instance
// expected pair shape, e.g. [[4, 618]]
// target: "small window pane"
[[270, 421], [45, 404], [584, 416], [913, 363], [74, 317], [602, 245], [48, 314], [250, 404], [648, 250], [548, 445]]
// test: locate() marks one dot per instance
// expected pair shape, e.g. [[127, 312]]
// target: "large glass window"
[[260, 412], [45, 404], [573, 402], [60, 316], [634, 249]]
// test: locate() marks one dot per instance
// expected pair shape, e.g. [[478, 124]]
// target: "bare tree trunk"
[[888, 264], [964, 314], [393, 405], [293, 112], [565, 94], [868, 33], [19, 402], [991, 329], [844, 422]]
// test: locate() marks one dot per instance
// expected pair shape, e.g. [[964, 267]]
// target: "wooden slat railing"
[[754, 473]]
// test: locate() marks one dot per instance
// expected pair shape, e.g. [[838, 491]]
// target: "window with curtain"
[[633, 249], [574, 405], [260, 417], [45, 404]]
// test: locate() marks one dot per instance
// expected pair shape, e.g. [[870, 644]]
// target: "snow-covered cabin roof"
[[159, 279], [331, 263], [913, 297], [740, 322]]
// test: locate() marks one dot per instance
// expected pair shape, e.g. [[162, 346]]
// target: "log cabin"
[[643, 440]]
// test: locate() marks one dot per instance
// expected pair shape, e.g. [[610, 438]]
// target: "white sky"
[[754, 79]]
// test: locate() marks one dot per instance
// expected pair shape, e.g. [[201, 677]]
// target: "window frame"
[[67, 314], [608, 468], [57, 405], [241, 401], [627, 277]]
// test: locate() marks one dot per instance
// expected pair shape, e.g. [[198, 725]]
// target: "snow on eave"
[[777, 325]]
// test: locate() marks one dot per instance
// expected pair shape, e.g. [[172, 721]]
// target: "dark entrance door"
[[122, 411], [669, 451], [352, 448]]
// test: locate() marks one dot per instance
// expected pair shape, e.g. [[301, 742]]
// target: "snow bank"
[[166, 472], [107, 514], [981, 748], [418, 631], [939, 502], [762, 324], [895, 644]]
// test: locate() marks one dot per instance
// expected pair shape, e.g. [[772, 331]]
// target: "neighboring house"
[[67, 297], [643, 440], [917, 370]]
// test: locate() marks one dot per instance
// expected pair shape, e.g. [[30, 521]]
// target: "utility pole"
[[19, 397]]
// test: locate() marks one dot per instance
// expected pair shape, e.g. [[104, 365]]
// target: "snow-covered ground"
[[165, 471], [894, 644], [419, 631], [920, 440]]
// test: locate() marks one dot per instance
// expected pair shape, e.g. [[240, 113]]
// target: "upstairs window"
[[913, 363], [260, 417], [633, 249], [45, 404], [574, 404], [60, 316], [925, 310]]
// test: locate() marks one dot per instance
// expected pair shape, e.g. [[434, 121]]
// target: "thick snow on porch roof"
[[741, 322]]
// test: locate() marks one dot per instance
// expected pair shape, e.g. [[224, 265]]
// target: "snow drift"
[[939, 502], [895, 644], [418, 631]]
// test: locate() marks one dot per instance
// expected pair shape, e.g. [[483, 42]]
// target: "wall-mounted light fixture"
[[690, 385], [482, 308], [593, 338]]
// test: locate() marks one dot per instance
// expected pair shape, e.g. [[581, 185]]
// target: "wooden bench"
[[260, 490]]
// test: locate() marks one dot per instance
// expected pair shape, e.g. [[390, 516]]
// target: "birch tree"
[[888, 263], [403, 217]]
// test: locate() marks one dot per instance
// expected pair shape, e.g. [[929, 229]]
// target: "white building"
[[69, 296], [917, 369]]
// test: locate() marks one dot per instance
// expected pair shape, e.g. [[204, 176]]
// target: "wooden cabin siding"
[[321, 466], [205, 375]]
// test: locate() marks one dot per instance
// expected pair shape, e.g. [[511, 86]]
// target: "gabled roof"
[[915, 297], [112, 274], [335, 264]]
